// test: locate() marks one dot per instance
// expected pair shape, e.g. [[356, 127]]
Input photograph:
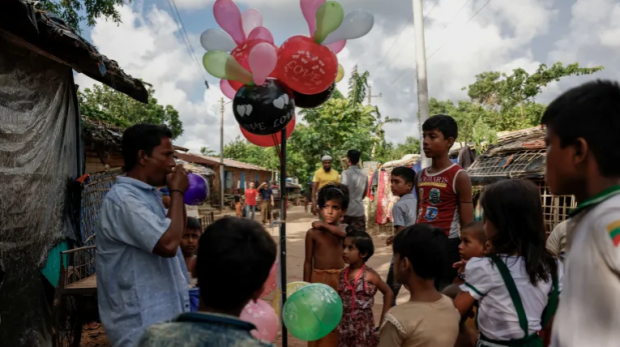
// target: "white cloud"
[[145, 46], [502, 36]]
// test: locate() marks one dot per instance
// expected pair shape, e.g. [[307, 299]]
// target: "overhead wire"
[[188, 44], [402, 77], [382, 67]]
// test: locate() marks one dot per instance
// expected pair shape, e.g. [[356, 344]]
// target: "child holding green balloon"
[[323, 261]]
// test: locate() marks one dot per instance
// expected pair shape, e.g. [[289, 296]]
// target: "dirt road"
[[297, 225]]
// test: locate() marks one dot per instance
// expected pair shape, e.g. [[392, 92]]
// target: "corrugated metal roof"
[[213, 161]]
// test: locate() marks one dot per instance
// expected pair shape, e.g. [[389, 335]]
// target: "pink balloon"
[[261, 34], [263, 316], [227, 89], [309, 8], [251, 19], [337, 46], [270, 283], [263, 60], [228, 16]]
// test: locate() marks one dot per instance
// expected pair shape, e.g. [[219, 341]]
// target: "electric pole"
[[370, 96], [422, 79], [222, 179]]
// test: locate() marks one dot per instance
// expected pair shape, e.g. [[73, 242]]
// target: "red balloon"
[[268, 140], [305, 66]]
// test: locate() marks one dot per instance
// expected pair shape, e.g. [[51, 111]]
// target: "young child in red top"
[[444, 189], [357, 288]]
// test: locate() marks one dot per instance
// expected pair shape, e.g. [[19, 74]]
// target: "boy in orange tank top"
[[444, 189]]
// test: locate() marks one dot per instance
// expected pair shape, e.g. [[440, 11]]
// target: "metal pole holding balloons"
[[283, 202]]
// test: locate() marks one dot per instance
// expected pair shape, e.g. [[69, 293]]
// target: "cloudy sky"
[[463, 38]]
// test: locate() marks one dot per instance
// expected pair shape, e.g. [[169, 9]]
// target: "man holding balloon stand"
[[142, 276]]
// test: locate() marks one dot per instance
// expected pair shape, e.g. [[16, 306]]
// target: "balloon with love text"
[[264, 109], [306, 66]]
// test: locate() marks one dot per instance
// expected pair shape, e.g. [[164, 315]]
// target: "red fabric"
[[383, 197], [250, 197], [369, 191], [438, 199]]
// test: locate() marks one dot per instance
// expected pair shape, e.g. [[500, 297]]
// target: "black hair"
[[514, 208], [406, 173], [193, 223], [141, 137], [592, 112], [363, 243], [332, 191], [445, 124], [239, 253], [354, 156], [478, 228], [426, 248]]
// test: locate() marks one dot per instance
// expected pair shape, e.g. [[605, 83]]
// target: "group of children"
[[447, 262], [501, 270]]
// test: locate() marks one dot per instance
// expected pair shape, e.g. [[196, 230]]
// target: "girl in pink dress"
[[357, 288]]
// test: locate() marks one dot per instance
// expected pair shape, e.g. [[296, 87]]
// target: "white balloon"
[[217, 40], [355, 24]]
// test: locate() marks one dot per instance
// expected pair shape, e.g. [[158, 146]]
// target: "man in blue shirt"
[[141, 275], [234, 259]]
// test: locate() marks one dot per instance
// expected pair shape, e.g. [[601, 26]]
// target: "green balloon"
[[312, 312], [328, 18], [222, 65]]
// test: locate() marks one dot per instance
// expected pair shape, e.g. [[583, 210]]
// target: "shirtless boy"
[[323, 262]]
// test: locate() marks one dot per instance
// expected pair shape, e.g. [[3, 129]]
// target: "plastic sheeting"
[[39, 161]]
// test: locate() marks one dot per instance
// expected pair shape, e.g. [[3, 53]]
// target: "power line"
[[185, 37], [469, 20], [381, 67], [402, 77]]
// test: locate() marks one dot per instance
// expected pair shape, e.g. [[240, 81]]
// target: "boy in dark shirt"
[[239, 254]]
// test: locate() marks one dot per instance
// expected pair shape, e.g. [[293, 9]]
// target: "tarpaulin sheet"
[[39, 160]]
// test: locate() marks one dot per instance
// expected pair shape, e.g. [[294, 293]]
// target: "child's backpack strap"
[[514, 293], [554, 297]]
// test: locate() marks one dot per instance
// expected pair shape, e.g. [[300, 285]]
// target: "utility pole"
[[370, 96], [222, 179], [422, 79]]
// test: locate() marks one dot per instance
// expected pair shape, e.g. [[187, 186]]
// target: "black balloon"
[[264, 109], [315, 100]]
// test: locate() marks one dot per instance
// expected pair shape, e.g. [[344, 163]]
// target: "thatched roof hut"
[[521, 155]]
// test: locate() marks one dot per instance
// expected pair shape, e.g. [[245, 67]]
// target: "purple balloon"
[[197, 191]]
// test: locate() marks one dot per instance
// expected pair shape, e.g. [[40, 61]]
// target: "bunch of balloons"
[[266, 82]]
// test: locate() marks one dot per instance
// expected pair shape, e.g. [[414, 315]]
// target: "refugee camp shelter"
[[521, 155], [41, 156]]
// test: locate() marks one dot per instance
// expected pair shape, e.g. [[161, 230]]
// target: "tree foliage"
[[73, 12], [502, 102], [208, 152], [105, 104]]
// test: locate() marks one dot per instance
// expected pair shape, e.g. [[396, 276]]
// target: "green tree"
[[502, 93], [502, 102], [75, 11], [208, 152], [105, 104]]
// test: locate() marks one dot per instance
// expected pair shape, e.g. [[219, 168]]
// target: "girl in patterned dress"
[[357, 288]]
